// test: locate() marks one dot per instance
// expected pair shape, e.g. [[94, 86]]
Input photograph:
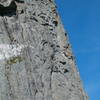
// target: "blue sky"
[[81, 18]]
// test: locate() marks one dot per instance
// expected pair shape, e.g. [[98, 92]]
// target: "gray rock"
[[36, 60]]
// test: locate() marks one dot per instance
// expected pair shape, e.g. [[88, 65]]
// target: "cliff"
[[36, 60]]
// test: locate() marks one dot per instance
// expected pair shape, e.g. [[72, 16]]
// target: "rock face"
[[36, 62]]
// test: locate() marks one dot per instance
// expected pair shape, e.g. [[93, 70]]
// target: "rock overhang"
[[10, 7]]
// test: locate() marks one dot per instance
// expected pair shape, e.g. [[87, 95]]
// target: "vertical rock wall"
[[36, 62]]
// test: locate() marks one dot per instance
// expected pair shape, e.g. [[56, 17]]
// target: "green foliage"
[[15, 60]]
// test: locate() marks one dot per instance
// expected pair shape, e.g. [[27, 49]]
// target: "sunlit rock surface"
[[36, 62]]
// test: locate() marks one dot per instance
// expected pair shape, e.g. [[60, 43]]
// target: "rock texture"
[[36, 62]]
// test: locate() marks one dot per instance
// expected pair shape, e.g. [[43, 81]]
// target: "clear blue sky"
[[81, 18]]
